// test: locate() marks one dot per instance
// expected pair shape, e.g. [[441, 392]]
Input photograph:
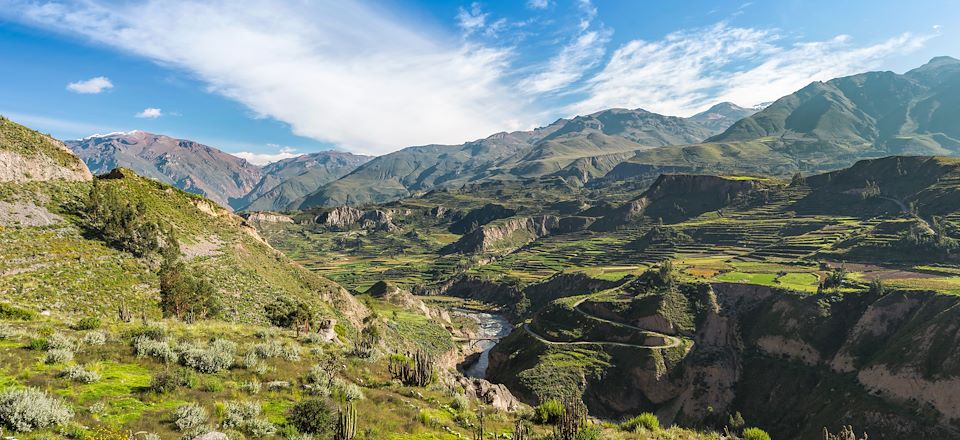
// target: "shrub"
[[312, 416], [643, 421], [27, 409], [346, 391], [189, 418], [88, 323], [58, 356], [252, 387], [159, 350], [152, 332], [755, 434], [213, 385], [590, 432], [286, 312], [77, 373], [60, 341], [166, 381], [548, 412], [95, 338], [11, 313], [216, 357], [245, 417], [38, 344], [7, 332], [274, 349], [460, 402], [274, 385]]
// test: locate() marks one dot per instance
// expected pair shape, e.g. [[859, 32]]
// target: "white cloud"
[[91, 86], [313, 65], [687, 71], [538, 4], [471, 19], [265, 158], [574, 59], [150, 113]]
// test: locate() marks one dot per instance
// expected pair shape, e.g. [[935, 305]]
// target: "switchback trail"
[[672, 341]]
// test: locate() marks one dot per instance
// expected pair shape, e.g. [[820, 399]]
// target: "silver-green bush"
[[190, 418], [27, 409], [77, 373], [58, 356]]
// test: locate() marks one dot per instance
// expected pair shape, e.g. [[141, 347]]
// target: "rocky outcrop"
[[495, 395], [345, 217], [504, 236], [28, 156], [264, 217], [19, 168], [479, 217], [676, 197], [390, 293]]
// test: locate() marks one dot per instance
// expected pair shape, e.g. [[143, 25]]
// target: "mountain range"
[[823, 126], [226, 179]]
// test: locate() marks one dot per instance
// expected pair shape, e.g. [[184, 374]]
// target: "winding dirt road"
[[672, 341]]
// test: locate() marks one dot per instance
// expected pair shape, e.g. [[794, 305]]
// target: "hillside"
[[188, 165], [581, 148], [288, 180], [52, 261], [829, 125], [26, 155]]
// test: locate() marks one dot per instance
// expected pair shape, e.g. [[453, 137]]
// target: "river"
[[491, 326]]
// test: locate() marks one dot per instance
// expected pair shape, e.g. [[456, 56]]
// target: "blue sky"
[[273, 79]]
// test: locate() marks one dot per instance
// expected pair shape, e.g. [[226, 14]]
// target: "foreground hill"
[[829, 125], [51, 259], [188, 165], [288, 180], [26, 155], [584, 147]]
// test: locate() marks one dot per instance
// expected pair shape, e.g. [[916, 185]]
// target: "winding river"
[[493, 327]]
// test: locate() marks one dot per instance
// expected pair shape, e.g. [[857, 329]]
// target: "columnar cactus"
[[346, 423]]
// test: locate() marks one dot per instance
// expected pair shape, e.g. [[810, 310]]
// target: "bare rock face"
[[263, 217], [505, 235], [29, 156], [345, 217], [495, 395]]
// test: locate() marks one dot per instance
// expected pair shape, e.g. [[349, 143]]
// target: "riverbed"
[[492, 328]]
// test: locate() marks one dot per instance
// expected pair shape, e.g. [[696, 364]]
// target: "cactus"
[[346, 423], [571, 421], [478, 431], [520, 431], [846, 433], [124, 313], [412, 370]]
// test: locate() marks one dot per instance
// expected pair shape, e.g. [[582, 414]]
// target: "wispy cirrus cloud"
[[689, 70], [91, 86], [538, 4], [582, 53], [313, 65], [316, 67]]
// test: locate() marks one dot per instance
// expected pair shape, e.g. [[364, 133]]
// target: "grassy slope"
[[22, 140], [59, 268]]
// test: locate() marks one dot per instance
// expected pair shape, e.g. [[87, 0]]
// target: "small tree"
[[123, 224], [184, 294], [287, 313]]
